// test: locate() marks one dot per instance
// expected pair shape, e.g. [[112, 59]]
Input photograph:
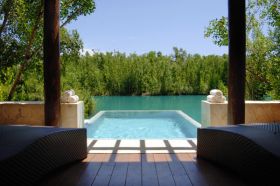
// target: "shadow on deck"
[[142, 169]]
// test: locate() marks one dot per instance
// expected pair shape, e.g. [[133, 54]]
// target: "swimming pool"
[[141, 125], [189, 104]]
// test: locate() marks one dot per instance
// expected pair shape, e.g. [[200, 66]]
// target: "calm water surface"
[[141, 125], [191, 105]]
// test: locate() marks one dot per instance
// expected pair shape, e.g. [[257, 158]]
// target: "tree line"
[[115, 73], [148, 74], [121, 74]]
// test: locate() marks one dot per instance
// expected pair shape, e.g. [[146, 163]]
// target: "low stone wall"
[[215, 114], [32, 113]]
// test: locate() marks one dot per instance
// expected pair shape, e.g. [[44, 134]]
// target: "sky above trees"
[[141, 26]]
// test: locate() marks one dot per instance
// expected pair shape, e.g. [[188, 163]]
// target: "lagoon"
[[189, 104]]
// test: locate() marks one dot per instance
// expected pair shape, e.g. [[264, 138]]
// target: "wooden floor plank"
[[53, 178], [89, 175], [141, 169], [70, 174], [134, 158], [74, 174], [202, 172], [101, 157], [121, 158], [192, 170], [149, 174], [134, 174], [216, 174], [165, 177], [82, 174], [89, 158], [104, 174], [118, 177], [179, 174]]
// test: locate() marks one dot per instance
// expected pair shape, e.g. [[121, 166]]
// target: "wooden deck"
[[141, 169]]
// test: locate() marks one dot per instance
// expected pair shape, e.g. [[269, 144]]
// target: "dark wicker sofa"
[[29, 153], [252, 151]]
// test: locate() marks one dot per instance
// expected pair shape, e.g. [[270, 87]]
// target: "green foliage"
[[99, 74], [21, 38], [263, 46], [6, 78], [218, 31], [121, 74], [71, 10], [272, 11], [21, 33], [148, 74]]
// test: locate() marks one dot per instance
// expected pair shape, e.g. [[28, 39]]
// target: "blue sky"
[[139, 26]]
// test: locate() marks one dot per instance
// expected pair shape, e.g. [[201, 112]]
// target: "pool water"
[[189, 104], [141, 125]]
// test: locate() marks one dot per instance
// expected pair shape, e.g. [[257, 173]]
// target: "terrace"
[[142, 169], [139, 168]]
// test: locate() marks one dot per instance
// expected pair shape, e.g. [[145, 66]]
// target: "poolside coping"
[[141, 146]]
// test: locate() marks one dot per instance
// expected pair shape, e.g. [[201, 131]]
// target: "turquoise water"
[[141, 125], [191, 105]]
